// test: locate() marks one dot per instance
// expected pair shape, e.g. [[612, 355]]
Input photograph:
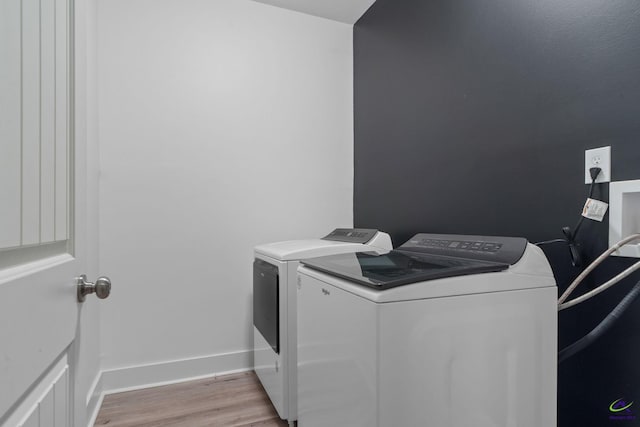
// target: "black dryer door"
[[266, 306]]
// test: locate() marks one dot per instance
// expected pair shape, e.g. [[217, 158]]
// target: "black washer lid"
[[397, 268]]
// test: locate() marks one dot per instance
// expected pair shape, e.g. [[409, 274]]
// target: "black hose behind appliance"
[[602, 327]]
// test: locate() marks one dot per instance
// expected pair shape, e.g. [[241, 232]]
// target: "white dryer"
[[445, 331], [274, 305]]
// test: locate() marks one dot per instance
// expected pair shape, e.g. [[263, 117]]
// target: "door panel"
[[38, 317], [48, 404], [34, 122]]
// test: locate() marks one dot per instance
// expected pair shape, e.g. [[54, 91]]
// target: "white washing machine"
[[445, 331], [274, 305]]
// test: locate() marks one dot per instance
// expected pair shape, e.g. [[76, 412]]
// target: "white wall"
[[222, 124]]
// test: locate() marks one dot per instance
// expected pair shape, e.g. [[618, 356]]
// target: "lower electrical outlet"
[[598, 158]]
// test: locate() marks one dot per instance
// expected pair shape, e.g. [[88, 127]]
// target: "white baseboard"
[[174, 371], [94, 399], [94, 390]]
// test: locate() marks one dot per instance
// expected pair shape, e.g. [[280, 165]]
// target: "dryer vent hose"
[[602, 327]]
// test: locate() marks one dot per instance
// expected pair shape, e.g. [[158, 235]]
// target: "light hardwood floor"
[[236, 400]]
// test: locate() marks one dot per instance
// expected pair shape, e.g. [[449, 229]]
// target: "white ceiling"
[[348, 11]]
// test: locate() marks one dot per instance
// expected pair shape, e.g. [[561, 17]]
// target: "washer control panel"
[[460, 245], [486, 248]]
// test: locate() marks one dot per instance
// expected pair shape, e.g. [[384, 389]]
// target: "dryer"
[[274, 305], [445, 331]]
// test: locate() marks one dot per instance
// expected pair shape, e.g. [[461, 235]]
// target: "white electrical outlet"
[[600, 158]]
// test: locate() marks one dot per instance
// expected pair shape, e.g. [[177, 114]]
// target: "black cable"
[[548, 242], [602, 327], [591, 188], [576, 257]]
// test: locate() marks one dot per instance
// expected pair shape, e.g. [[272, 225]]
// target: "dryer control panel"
[[351, 235], [506, 250]]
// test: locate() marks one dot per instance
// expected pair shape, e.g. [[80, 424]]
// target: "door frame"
[[84, 352]]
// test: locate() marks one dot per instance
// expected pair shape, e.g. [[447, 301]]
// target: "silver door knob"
[[102, 287]]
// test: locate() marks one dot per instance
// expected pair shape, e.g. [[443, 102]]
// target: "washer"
[[445, 331], [274, 305]]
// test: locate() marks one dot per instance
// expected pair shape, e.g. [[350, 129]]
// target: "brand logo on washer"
[[326, 292]]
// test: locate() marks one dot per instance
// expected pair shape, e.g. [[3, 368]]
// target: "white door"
[[43, 211]]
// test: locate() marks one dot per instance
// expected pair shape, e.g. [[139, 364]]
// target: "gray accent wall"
[[473, 116]]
